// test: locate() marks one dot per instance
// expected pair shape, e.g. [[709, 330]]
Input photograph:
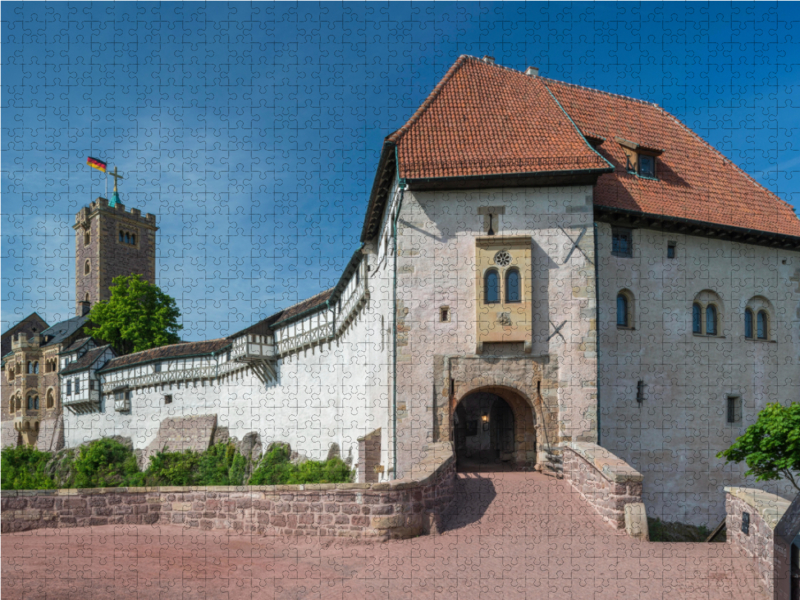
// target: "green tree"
[[139, 316], [771, 446], [23, 468]]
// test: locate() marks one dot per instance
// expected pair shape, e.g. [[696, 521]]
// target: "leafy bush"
[[221, 464], [276, 469], [24, 468], [103, 463]]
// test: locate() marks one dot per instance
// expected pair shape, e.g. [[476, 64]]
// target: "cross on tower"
[[115, 197], [116, 176]]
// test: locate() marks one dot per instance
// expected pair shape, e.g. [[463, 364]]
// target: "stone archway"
[[494, 427], [529, 385]]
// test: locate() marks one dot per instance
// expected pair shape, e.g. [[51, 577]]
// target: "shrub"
[[23, 468], [276, 469], [169, 468], [103, 463]]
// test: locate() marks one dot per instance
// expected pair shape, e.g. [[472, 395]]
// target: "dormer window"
[[647, 166], [639, 160]]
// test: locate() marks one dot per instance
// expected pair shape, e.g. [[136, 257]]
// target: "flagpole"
[[106, 174]]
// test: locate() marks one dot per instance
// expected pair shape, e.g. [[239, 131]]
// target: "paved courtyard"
[[514, 535]]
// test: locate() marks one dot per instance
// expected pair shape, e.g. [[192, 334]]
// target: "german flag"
[[97, 164]]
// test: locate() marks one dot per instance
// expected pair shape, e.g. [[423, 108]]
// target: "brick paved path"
[[514, 535]]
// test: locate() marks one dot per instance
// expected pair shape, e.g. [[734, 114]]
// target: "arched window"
[[36, 402], [51, 400], [36, 368], [11, 373], [30, 368], [121, 237], [87, 239], [133, 239], [622, 311], [127, 238], [513, 292], [748, 323], [30, 402], [491, 287], [711, 320], [696, 328], [86, 267], [761, 325]]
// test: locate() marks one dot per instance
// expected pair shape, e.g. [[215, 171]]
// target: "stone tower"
[[111, 241]]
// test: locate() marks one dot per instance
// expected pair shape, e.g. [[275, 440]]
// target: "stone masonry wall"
[[402, 508], [765, 511], [603, 480]]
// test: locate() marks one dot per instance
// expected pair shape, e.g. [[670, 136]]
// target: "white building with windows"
[[540, 263]]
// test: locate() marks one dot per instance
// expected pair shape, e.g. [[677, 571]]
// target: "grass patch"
[[663, 531]]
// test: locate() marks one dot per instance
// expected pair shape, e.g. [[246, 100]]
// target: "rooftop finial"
[[115, 197]]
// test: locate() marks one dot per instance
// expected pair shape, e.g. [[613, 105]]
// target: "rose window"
[[502, 258]]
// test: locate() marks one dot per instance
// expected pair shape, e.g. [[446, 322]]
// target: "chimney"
[[85, 307], [489, 60], [532, 71]]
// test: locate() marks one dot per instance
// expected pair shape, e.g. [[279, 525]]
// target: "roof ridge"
[[591, 89]]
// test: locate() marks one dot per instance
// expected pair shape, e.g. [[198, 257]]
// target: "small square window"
[[157, 367], [647, 166], [734, 412], [671, 250], [168, 399], [444, 314], [621, 242]]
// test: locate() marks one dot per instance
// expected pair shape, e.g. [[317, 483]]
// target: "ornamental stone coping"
[[614, 469], [770, 507]]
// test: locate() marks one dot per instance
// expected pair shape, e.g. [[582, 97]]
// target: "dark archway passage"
[[485, 432]]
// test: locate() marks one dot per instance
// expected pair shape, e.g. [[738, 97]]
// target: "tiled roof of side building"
[[76, 345], [485, 119], [694, 181], [85, 361], [174, 351], [263, 327]]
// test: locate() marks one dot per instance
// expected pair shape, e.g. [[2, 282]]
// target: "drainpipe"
[[597, 325], [402, 187]]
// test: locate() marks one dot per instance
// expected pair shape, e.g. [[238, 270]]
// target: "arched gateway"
[[495, 428]]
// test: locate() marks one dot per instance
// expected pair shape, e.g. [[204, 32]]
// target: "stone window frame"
[[705, 299], [620, 232], [496, 272], [87, 267], [87, 237], [734, 409], [11, 373], [128, 237], [757, 306], [630, 306], [444, 314], [50, 394], [510, 271]]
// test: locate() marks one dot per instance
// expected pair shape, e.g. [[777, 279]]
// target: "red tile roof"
[[695, 181], [484, 119], [173, 351]]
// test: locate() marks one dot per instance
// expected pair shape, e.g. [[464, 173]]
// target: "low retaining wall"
[[401, 508], [765, 511], [608, 484]]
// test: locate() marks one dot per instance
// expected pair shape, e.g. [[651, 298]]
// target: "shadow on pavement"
[[474, 494]]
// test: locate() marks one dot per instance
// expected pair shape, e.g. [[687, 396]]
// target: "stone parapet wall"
[[765, 511], [606, 482], [402, 508]]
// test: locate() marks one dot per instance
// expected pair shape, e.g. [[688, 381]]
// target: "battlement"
[[101, 205], [20, 341]]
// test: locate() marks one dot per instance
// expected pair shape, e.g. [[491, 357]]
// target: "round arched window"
[[491, 287], [513, 288]]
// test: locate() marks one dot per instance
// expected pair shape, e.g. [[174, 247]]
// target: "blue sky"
[[253, 130]]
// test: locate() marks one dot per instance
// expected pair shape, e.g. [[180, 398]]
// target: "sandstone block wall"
[[765, 511], [603, 480], [402, 508]]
